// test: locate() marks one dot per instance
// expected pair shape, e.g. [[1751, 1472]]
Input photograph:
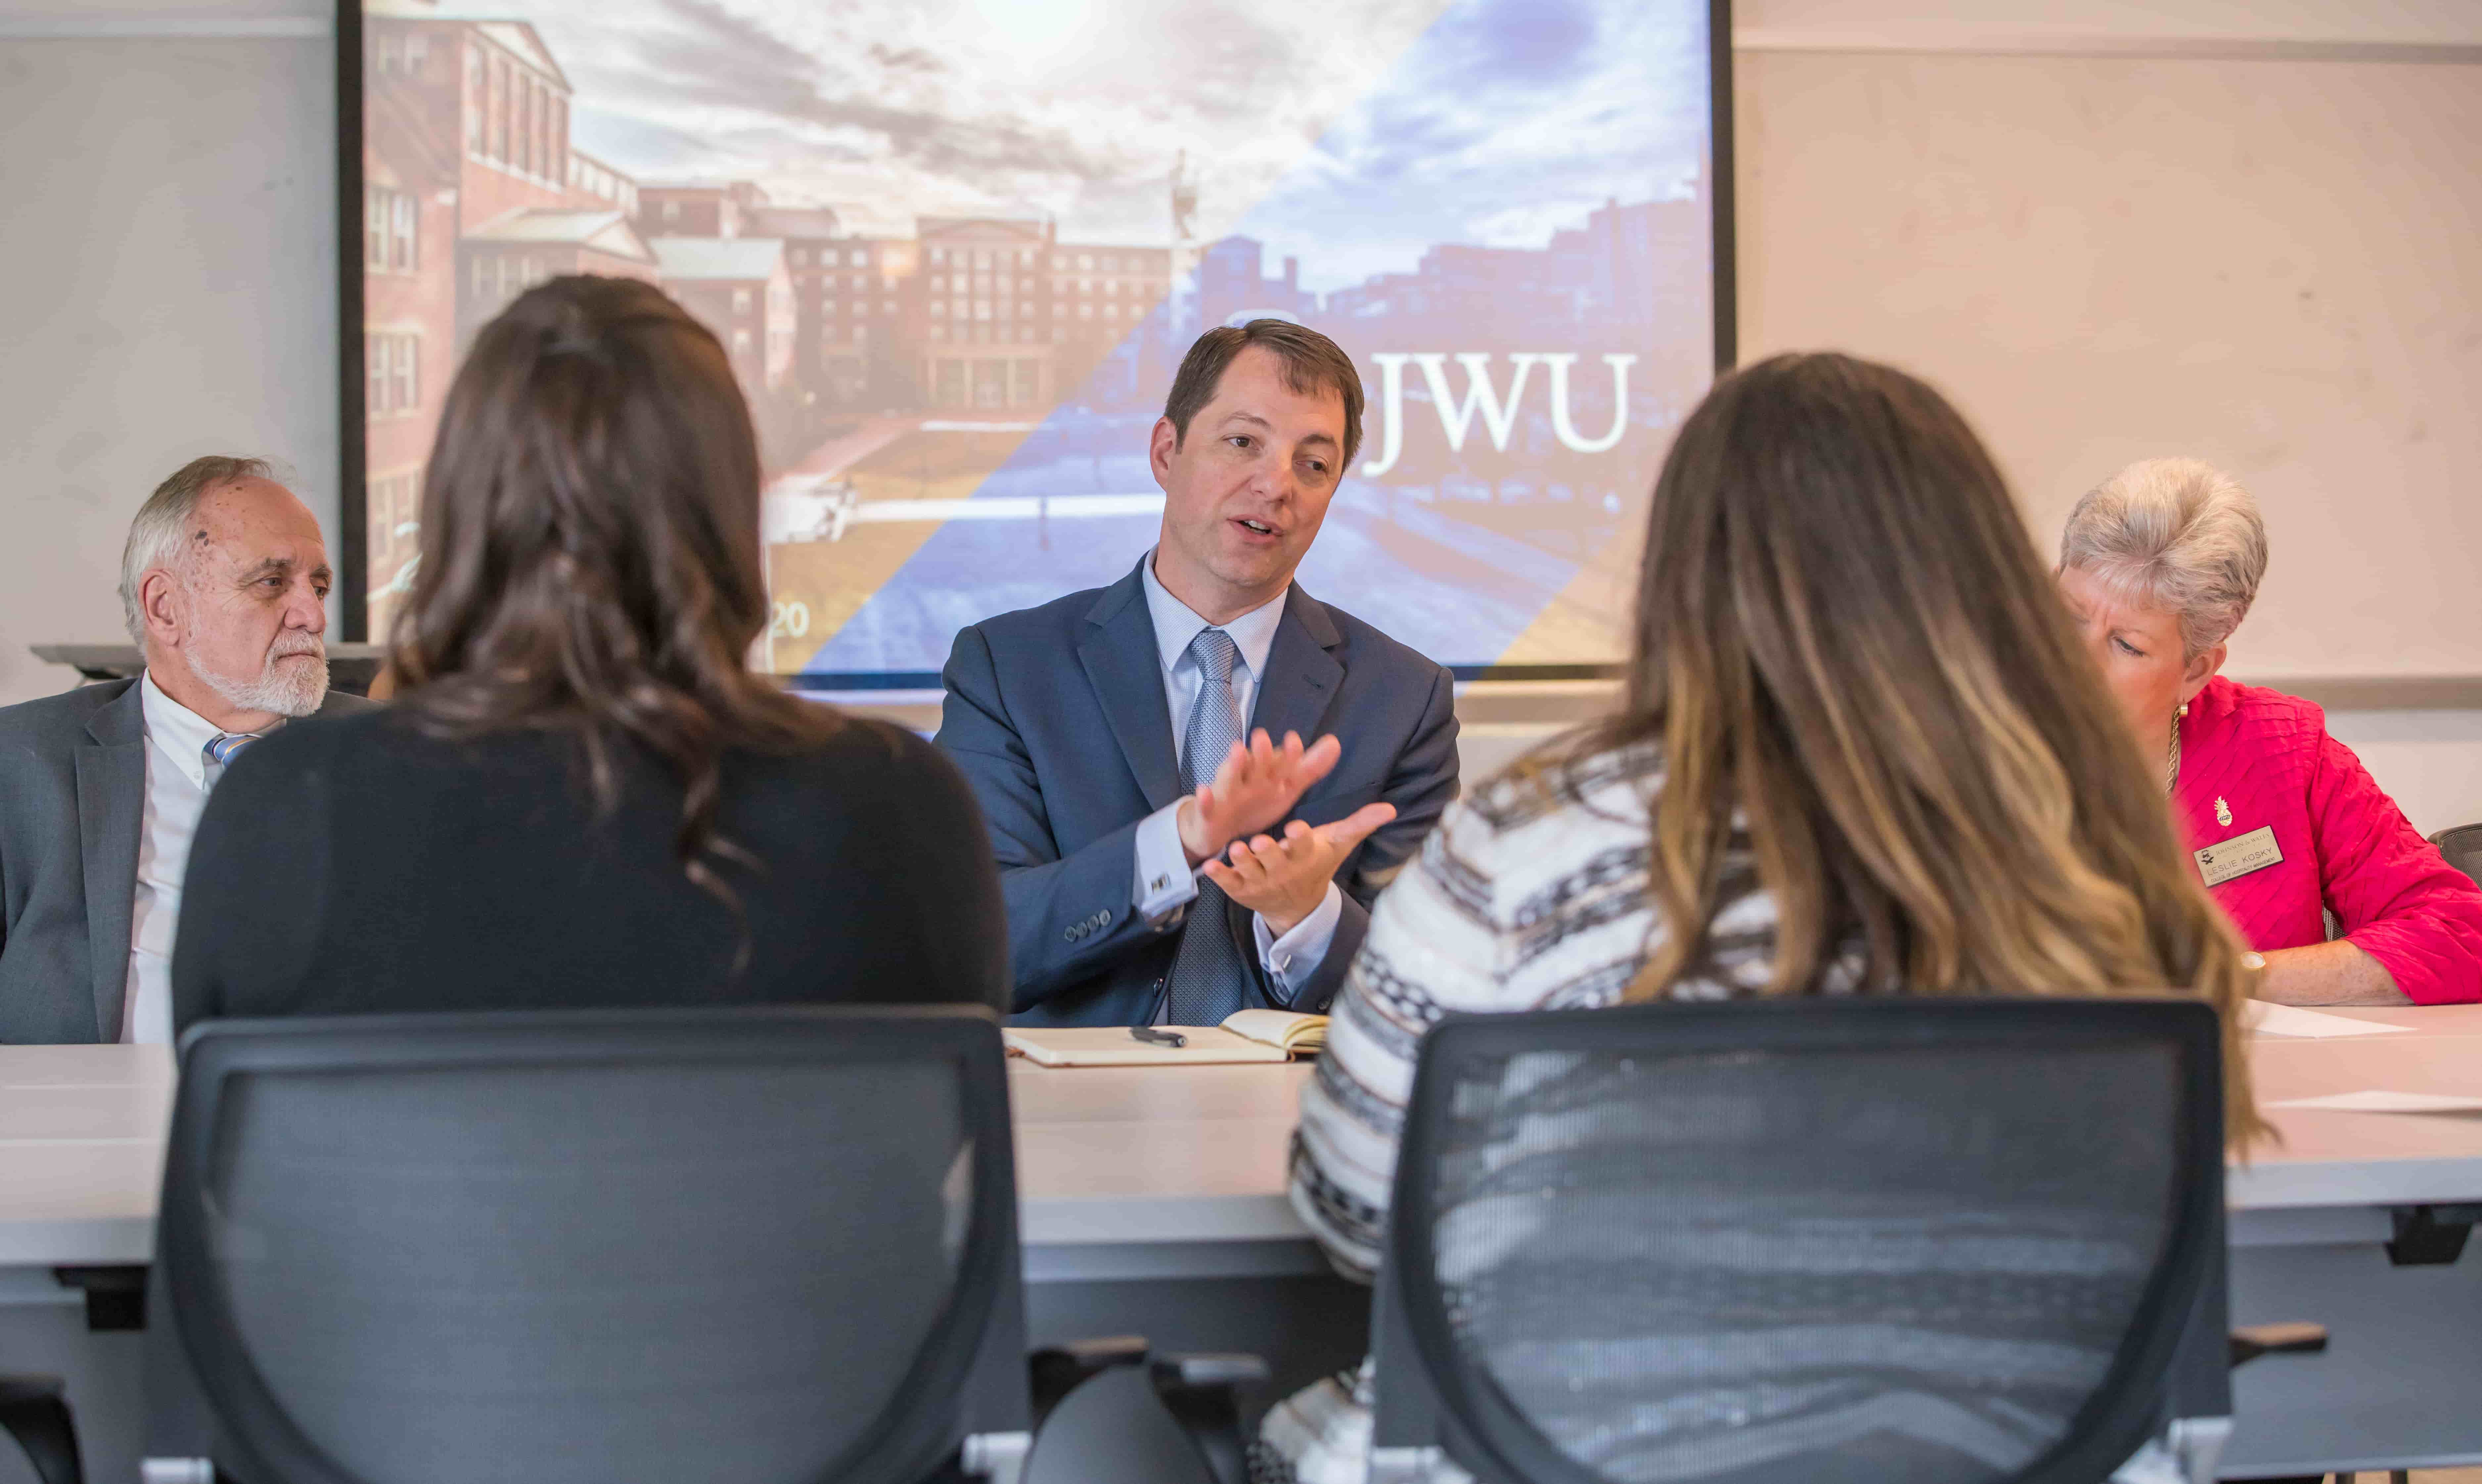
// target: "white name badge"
[[2239, 856]]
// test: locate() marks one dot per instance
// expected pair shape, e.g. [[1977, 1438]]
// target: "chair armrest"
[[19, 1389], [1210, 1369], [1108, 1419], [2252, 1341], [32, 1412], [1056, 1370], [1198, 1390], [116, 1295]]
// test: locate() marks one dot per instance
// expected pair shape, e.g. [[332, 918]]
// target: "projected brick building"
[[409, 321], [740, 288], [469, 131], [502, 257], [470, 192]]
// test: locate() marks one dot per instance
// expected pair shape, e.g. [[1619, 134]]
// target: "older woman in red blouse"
[[2159, 565]]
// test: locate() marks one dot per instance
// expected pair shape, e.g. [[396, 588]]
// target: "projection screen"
[[954, 249]]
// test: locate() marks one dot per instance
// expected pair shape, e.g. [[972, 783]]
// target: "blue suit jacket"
[[1057, 717]]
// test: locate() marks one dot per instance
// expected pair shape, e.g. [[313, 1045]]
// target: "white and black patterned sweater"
[[1526, 897]]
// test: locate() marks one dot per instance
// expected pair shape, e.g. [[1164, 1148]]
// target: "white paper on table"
[[2378, 1102], [2268, 1019]]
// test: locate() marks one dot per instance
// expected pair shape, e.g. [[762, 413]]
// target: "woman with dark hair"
[[583, 796], [1858, 751]]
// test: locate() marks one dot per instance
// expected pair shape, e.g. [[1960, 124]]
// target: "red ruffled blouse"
[[2255, 759]]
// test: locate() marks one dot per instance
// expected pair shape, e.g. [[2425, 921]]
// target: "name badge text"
[[2239, 856]]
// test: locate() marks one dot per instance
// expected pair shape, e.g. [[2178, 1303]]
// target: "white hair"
[[157, 535], [2178, 534]]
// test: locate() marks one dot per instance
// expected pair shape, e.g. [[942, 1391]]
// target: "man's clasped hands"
[[1224, 828]]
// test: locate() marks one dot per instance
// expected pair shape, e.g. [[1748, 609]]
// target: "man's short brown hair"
[[1312, 362]]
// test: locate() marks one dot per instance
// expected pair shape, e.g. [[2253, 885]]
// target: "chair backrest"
[[1889, 1241], [2463, 848], [751, 1246]]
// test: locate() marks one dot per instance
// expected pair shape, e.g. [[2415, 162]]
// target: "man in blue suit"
[[1197, 779]]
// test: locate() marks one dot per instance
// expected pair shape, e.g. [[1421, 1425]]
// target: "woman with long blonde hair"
[[1859, 751]]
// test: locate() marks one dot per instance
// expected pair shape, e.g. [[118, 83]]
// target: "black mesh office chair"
[[745, 1246], [2463, 848], [1844, 1242]]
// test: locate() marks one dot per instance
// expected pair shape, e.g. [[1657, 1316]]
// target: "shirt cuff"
[[1164, 882], [1292, 959]]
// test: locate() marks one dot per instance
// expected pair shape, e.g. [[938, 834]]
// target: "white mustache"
[[315, 647]]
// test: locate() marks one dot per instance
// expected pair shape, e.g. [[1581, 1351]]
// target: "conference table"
[[1152, 1202]]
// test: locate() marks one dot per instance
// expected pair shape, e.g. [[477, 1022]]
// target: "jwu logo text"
[[1483, 400]]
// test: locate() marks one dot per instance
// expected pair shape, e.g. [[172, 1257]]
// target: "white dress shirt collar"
[[178, 732], [1176, 624]]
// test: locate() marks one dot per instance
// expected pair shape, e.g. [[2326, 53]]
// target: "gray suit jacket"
[[1056, 716], [72, 802]]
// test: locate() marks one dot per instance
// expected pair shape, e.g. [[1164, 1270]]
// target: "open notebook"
[[1245, 1036]]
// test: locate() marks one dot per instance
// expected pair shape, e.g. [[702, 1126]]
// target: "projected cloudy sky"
[[1077, 110]]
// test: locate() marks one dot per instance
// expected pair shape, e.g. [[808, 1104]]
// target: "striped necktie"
[[222, 750], [1209, 979]]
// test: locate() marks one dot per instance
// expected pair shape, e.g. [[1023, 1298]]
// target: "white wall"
[[2262, 26], [166, 289], [2430, 760], [2241, 228], [2270, 264]]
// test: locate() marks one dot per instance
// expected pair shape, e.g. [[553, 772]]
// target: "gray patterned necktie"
[[1209, 980]]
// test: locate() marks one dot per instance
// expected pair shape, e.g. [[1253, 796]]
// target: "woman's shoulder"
[[1563, 780], [862, 745], [311, 743], [1555, 806], [390, 746], [2261, 717], [857, 753], [859, 766]]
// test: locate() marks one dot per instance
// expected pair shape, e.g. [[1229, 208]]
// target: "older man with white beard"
[[224, 585]]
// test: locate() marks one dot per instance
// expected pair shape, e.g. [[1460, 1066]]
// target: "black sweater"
[[356, 867]]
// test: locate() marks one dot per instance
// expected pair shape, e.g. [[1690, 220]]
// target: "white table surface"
[[81, 1152], [1122, 1154], [2327, 1159], [1144, 1155]]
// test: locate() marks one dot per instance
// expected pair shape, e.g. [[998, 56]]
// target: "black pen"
[[1154, 1037]]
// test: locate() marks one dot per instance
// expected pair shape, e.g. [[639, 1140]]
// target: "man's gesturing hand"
[[1284, 881], [1256, 786]]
